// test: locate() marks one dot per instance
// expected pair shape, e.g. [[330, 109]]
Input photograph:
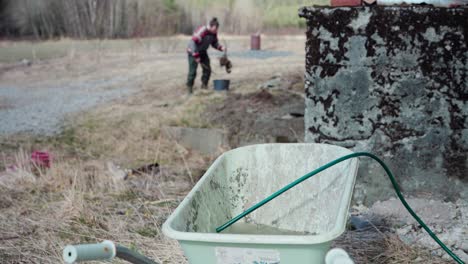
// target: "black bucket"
[[221, 85]]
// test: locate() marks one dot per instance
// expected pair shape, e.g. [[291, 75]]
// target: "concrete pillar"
[[392, 81]]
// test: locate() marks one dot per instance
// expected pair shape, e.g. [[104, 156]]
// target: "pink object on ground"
[[346, 2], [41, 158]]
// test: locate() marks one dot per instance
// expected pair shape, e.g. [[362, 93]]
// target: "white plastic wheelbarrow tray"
[[315, 210]]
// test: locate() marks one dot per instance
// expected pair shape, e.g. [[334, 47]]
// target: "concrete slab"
[[208, 141]]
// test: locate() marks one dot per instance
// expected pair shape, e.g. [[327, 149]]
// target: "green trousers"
[[192, 74]]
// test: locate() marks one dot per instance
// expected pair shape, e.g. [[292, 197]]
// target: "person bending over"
[[202, 38]]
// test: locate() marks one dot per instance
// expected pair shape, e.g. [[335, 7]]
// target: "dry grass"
[[398, 252], [77, 201], [377, 244]]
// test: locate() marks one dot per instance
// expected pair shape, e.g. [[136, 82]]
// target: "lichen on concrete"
[[393, 81]]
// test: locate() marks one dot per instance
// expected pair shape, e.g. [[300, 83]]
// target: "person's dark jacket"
[[201, 40]]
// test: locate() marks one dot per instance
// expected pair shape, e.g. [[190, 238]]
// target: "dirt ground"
[[82, 199]]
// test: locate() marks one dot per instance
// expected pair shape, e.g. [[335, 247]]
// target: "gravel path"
[[41, 110]]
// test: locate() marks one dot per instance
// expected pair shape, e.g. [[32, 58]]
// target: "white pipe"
[[76, 253], [338, 256]]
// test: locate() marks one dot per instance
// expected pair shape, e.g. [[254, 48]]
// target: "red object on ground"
[[346, 2], [255, 42], [41, 158]]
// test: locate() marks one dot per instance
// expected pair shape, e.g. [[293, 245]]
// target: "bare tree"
[[125, 18]]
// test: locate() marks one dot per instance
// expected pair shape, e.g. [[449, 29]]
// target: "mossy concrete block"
[[393, 81]]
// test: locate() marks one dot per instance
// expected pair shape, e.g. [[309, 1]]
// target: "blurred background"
[[143, 18]]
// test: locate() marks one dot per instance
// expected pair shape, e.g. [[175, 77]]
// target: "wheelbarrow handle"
[[132, 256], [106, 250], [85, 252]]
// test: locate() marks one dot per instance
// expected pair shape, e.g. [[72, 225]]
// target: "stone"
[[148, 169], [116, 172], [463, 207], [359, 209], [405, 230], [208, 141], [274, 83], [462, 255], [426, 209], [26, 62], [360, 223], [464, 245]]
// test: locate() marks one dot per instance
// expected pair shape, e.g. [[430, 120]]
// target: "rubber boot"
[[204, 86]]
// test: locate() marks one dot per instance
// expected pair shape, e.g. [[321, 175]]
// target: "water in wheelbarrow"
[[259, 229]]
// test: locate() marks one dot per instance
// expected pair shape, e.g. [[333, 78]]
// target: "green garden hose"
[[328, 165]]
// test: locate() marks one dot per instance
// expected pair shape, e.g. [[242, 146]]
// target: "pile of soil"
[[259, 117]]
